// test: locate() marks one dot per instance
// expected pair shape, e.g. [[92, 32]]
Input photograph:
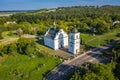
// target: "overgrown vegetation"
[[94, 72], [25, 60]]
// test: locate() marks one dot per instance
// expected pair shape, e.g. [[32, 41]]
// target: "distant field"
[[5, 14], [8, 13]]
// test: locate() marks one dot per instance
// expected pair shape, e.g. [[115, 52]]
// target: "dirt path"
[[10, 40]]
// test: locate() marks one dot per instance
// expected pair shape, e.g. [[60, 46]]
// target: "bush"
[[30, 49], [23, 46], [5, 49], [1, 36], [12, 48], [118, 35]]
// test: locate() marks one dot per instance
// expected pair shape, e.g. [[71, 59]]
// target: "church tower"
[[74, 42]]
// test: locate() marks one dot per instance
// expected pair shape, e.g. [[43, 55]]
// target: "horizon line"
[[17, 10]]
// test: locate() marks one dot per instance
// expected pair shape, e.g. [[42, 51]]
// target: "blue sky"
[[38, 4]]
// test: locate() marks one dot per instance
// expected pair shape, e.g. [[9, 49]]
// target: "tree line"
[[85, 17]]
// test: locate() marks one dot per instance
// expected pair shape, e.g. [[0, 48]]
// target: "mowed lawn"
[[22, 67], [9, 34], [99, 40]]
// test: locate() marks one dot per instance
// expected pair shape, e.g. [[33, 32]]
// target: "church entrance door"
[[61, 41], [77, 51], [61, 44]]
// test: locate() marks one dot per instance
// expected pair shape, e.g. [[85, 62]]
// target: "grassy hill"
[[17, 67], [20, 66]]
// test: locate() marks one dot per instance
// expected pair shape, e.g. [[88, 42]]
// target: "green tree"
[[91, 76], [22, 44], [102, 27], [117, 71], [31, 50], [12, 48]]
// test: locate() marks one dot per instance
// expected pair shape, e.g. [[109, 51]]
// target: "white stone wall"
[[66, 41], [49, 42], [56, 45], [60, 40], [71, 48], [74, 43]]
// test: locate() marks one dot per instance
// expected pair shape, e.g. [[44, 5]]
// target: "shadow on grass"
[[41, 42], [65, 49]]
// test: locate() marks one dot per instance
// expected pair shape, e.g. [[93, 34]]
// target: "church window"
[[77, 37], [71, 37], [77, 42]]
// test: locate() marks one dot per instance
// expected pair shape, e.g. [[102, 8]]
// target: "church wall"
[[49, 42], [56, 46], [66, 41], [71, 48], [74, 43], [76, 47], [62, 39]]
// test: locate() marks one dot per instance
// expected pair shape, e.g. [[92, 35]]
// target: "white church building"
[[57, 38]]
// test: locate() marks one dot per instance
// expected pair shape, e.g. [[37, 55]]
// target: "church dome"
[[74, 30]]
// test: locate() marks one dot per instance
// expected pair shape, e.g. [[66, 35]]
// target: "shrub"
[[118, 35]]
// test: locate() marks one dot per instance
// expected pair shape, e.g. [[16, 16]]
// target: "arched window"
[[77, 36], [71, 36]]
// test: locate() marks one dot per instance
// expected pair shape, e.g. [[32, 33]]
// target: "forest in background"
[[85, 17]]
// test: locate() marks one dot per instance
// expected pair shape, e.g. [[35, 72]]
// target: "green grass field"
[[86, 37], [9, 34], [99, 40], [43, 48], [22, 67]]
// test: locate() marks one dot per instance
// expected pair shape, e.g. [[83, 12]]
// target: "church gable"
[[55, 38], [54, 33], [51, 33], [61, 34]]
